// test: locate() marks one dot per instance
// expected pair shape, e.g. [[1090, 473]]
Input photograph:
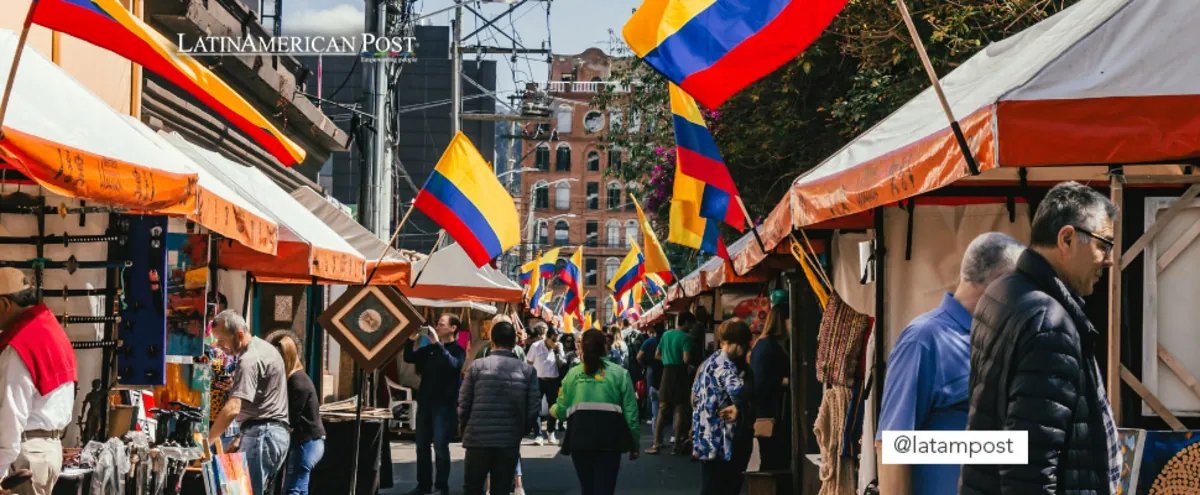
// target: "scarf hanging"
[[837, 472]]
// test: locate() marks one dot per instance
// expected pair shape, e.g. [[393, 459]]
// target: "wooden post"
[[12, 70], [1155, 404], [1113, 355], [798, 378], [391, 241]]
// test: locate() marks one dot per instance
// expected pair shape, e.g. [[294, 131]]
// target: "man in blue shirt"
[[930, 366], [440, 366]]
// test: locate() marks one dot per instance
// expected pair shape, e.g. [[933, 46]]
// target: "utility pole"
[[456, 84], [375, 198]]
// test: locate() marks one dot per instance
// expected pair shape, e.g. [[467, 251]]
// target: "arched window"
[[541, 195], [562, 231], [610, 269], [615, 118], [562, 160], [593, 161], [562, 195], [614, 195], [541, 159], [635, 121], [615, 155], [543, 230], [631, 230], [563, 116], [593, 121], [613, 229], [608, 312]]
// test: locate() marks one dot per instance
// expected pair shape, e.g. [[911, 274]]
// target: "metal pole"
[[456, 84], [362, 392], [382, 187]]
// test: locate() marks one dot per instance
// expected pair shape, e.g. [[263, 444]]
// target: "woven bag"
[[840, 342]]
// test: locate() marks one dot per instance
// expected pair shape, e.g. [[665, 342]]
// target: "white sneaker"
[[553, 440], [519, 491], [539, 441]]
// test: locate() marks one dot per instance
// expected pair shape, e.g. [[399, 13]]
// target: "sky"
[[575, 25]]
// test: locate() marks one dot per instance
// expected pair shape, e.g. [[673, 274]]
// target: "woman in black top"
[[308, 434]]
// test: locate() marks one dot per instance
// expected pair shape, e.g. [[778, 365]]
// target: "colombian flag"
[[654, 284], [656, 258], [548, 263], [464, 197], [531, 282], [106, 24], [629, 306], [527, 272], [688, 228], [697, 157], [714, 48], [631, 271], [572, 275]]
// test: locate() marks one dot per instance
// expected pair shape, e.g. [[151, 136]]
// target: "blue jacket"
[[440, 368]]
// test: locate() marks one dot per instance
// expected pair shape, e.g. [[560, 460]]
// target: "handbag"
[[840, 342], [764, 428]]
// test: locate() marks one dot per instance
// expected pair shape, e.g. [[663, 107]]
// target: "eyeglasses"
[[1109, 244]]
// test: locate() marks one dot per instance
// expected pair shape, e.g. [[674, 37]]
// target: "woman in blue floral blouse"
[[723, 416]]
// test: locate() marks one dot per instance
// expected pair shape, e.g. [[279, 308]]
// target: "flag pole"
[[12, 71], [753, 228], [937, 88], [441, 235], [390, 241]]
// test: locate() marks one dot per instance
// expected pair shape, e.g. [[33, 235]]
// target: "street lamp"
[[516, 171]]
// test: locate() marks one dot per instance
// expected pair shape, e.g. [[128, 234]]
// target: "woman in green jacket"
[[599, 404]]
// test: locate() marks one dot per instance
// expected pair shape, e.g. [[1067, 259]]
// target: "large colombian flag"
[[714, 48], [464, 197], [572, 275], [698, 158], [547, 263], [106, 24], [631, 271]]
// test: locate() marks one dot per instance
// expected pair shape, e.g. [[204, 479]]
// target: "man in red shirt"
[[37, 385]]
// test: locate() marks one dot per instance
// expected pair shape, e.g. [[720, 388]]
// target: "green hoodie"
[[601, 409]]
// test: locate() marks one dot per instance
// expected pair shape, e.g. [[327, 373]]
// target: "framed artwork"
[[371, 323]]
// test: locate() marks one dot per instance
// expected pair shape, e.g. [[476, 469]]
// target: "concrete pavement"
[[547, 473]]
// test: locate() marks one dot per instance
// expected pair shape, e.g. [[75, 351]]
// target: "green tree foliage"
[[860, 70]]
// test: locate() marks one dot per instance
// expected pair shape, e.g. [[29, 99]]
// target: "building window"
[[562, 232], [631, 230], [543, 229], [590, 275], [614, 121], [610, 269], [613, 231], [593, 161], [593, 121], [562, 195], [614, 158], [563, 116], [541, 159], [614, 195], [635, 121], [608, 312], [593, 233], [541, 195], [593, 195], [562, 159]]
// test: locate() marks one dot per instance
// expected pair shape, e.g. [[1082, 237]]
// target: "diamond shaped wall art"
[[371, 323]]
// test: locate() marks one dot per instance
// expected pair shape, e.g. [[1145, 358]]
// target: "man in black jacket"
[[497, 405], [1033, 362]]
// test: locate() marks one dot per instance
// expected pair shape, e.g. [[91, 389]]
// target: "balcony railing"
[[584, 86]]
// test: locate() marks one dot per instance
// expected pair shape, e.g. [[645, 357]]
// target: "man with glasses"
[[1033, 362]]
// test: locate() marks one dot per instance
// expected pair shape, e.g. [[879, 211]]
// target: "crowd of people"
[[590, 392]]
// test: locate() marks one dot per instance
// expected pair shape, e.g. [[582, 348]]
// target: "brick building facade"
[[574, 201]]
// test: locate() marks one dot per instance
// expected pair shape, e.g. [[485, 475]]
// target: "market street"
[[547, 473]]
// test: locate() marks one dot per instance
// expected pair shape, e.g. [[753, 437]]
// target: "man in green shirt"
[[674, 394]]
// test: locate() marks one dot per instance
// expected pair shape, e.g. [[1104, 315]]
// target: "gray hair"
[[988, 255], [1069, 203], [231, 321]]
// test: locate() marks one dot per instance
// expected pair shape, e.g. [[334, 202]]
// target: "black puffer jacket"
[[1033, 368], [498, 402]]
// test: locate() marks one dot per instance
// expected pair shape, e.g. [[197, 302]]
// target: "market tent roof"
[[395, 268], [1104, 82], [451, 275], [218, 207], [68, 140], [307, 246]]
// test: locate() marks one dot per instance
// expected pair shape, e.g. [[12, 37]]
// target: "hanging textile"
[[837, 471], [840, 342]]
